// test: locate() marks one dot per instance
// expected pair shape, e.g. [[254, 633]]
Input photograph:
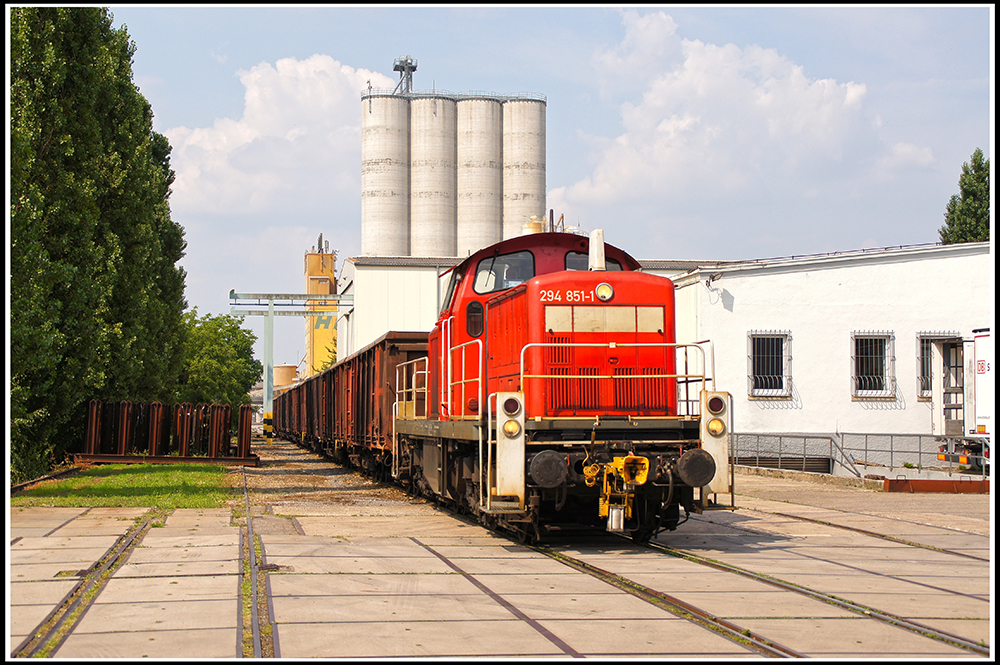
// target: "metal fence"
[[857, 454]]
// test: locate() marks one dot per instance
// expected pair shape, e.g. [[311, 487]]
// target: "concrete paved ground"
[[399, 579]]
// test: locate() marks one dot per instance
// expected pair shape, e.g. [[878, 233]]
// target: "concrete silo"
[[432, 175], [523, 162], [479, 216], [385, 175], [445, 174]]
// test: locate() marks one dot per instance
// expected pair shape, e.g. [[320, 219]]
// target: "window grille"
[[873, 364], [769, 363]]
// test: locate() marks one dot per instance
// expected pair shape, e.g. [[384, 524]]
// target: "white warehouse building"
[[838, 342]]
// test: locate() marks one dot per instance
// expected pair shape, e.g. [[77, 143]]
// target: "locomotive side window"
[[581, 261], [456, 277], [474, 318], [500, 272]]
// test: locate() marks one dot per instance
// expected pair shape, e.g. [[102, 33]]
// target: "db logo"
[[982, 367]]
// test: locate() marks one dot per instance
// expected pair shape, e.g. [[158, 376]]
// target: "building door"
[[953, 388]]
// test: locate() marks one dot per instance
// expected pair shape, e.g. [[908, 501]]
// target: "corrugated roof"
[[407, 261]]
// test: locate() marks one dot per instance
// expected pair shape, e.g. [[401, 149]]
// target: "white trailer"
[[964, 427]]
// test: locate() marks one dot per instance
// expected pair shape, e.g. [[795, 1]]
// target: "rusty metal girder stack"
[[158, 433]]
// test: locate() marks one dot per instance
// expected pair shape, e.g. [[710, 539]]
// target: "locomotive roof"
[[569, 241]]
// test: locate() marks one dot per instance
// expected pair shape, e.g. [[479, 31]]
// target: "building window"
[[769, 363], [873, 364]]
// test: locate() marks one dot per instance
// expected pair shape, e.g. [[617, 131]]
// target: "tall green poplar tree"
[[96, 297]]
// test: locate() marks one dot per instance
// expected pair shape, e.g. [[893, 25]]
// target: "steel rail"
[[254, 618], [857, 608], [883, 536], [82, 599], [674, 605]]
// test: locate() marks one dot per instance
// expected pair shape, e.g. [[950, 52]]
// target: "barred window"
[[873, 373], [769, 364]]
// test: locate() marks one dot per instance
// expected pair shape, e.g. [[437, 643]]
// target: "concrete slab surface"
[[850, 638], [165, 643], [56, 543], [408, 584], [664, 637], [156, 589], [164, 538], [29, 572], [75, 556], [759, 602], [400, 607], [613, 604], [405, 579], [180, 568], [414, 639], [137, 616], [179, 554]]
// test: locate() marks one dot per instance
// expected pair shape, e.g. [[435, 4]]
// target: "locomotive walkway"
[[358, 571]]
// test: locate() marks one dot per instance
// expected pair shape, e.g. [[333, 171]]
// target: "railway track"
[[677, 606], [885, 617], [741, 634], [699, 597]]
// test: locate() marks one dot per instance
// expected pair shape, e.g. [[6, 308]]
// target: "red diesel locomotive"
[[551, 391]]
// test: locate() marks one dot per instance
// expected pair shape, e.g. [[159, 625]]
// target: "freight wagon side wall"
[[363, 390]]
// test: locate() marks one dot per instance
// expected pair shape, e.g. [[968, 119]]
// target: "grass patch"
[[165, 486]]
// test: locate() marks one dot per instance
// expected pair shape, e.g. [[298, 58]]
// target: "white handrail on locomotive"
[[683, 379], [462, 380], [406, 374], [409, 387]]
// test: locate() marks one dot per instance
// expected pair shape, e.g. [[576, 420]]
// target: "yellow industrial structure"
[[321, 331]]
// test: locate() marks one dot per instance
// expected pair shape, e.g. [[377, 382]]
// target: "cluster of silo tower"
[[446, 174]]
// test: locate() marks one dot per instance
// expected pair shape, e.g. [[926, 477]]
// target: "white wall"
[[820, 302], [404, 298]]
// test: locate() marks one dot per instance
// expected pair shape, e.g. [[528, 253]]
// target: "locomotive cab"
[[457, 344]]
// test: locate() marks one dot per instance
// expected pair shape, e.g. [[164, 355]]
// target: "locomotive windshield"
[[499, 272], [581, 261]]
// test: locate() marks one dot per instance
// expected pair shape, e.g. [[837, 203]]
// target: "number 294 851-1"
[[550, 295]]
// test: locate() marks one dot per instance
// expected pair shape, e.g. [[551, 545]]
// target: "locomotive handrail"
[[409, 387], [478, 379], [684, 379], [444, 391]]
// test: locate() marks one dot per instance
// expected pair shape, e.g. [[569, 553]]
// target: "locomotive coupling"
[[621, 476]]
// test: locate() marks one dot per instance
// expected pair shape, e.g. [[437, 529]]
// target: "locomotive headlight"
[[512, 429], [604, 292], [716, 427]]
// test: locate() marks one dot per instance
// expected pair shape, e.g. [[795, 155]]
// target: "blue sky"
[[684, 132]]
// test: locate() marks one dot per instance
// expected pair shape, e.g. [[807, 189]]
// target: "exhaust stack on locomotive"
[[552, 390]]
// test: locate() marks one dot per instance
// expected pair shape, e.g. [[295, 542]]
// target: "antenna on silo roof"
[[405, 65]]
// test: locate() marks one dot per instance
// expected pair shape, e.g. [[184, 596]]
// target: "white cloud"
[[297, 144], [902, 155], [724, 128]]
